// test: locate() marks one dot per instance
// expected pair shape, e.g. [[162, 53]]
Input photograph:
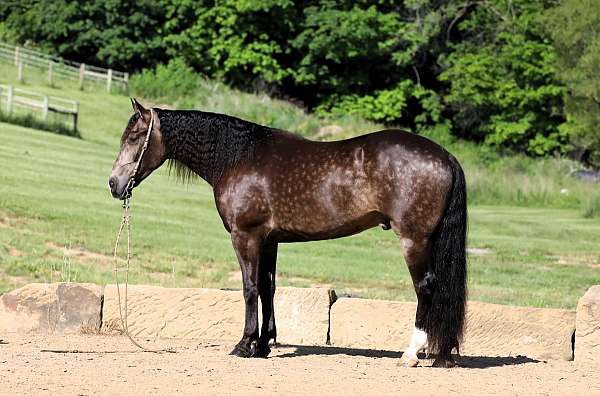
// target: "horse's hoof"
[[241, 351], [443, 362], [408, 361], [261, 351]]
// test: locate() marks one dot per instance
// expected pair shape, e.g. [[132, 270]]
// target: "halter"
[[131, 182]]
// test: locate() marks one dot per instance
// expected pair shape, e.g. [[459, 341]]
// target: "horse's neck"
[[207, 144]]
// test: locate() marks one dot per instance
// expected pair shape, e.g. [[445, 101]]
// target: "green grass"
[[58, 221], [31, 121]]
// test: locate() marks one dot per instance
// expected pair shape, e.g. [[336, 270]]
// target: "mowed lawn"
[[58, 222]]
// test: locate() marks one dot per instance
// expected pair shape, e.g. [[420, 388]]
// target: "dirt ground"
[[111, 365]]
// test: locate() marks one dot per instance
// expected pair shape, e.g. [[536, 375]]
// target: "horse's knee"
[[250, 294]]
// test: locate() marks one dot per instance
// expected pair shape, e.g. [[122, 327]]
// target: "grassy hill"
[[58, 221]]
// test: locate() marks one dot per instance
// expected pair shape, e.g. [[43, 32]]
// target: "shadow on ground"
[[478, 362]]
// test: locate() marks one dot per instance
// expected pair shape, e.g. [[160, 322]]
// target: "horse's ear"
[[137, 107]]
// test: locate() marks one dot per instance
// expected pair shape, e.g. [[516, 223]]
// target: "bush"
[[166, 82], [405, 104]]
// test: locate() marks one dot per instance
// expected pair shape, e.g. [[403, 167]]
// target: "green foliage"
[[390, 105], [166, 82], [116, 33], [573, 26], [502, 82], [6, 34], [482, 70], [240, 41], [343, 49]]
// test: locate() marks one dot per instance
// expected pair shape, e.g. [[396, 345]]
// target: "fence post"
[[126, 79], [20, 72], [50, 72], [9, 99], [108, 80], [81, 75], [45, 110], [75, 116], [17, 53]]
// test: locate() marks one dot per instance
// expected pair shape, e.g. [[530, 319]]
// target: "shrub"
[[166, 82]]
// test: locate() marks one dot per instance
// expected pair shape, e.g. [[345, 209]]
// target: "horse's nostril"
[[112, 183]]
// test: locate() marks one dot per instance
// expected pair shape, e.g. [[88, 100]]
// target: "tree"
[[122, 34], [503, 89], [574, 26]]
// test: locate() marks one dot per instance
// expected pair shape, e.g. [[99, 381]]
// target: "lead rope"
[[126, 223]]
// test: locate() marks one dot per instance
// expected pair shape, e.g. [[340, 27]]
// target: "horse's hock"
[[587, 336], [305, 316]]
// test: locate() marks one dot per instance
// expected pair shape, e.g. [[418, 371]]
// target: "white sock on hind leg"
[[417, 343]]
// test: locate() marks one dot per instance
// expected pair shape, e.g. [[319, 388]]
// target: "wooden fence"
[[12, 98], [56, 67]]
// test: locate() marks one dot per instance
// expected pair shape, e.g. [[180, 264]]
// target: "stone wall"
[[491, 329], [55, 307], [304, 317], [587, 336]]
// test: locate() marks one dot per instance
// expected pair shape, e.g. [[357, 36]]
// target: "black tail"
[[446, 316]]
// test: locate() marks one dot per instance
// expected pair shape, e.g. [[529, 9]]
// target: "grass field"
[[58, 222]]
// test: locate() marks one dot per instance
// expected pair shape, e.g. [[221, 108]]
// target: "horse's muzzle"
[[116, 190]]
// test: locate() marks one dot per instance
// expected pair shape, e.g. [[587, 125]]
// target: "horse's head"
[[132, 143]]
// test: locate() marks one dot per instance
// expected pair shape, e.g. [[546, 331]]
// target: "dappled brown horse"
[[272, 186]]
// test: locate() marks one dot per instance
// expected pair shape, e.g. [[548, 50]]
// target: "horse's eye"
[[133, 138]]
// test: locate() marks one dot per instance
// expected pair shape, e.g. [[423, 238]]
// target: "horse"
[[272, 186]]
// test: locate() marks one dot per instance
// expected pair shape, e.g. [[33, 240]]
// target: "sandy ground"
[[111, 365]]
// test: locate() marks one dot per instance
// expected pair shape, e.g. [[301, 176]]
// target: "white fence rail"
[[62, 68], [12, 98]]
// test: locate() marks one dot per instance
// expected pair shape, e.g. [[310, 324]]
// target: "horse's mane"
[[207, 142], [182, 172]]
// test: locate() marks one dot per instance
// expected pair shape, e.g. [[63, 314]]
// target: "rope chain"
[[125, 223]]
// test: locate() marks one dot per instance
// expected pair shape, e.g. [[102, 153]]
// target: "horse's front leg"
[[266, 290], [248, 248]]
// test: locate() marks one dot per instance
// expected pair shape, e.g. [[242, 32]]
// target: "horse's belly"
[[312, 228]]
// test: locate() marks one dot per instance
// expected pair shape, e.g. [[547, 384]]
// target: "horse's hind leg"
[[417, 255], [266, 290]]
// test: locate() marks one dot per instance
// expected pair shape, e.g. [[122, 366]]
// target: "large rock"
[[302, 315], [491, 330], [501, 330], [587, 337], [371, 324], [56, 307]]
